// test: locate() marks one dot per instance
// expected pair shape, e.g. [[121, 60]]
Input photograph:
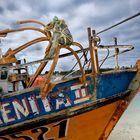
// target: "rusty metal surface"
[[135, 84], [64, 114], [114, 119], [134, 88], [63, 97]]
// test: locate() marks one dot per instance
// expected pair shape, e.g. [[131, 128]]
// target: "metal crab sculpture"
[[58, 35]]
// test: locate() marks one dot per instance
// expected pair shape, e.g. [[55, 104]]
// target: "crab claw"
[[46, 89], [83, 80]]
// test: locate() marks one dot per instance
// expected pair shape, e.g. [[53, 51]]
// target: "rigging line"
[[71, 71], [127, 50], [130, 47], [107, 57], [63, 55], [42, 60], [88, 65], [108, 52], [123, 21], [80, 59]]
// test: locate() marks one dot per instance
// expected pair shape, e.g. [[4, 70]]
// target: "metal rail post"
[[95, 51], [116, 53], [93, 62]]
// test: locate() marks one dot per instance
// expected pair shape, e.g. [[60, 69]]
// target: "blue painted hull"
[[26, 106]]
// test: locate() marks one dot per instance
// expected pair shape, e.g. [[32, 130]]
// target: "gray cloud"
[[78, 15]]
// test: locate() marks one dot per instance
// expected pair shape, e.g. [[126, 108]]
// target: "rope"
[[105, 58], [123, 21]]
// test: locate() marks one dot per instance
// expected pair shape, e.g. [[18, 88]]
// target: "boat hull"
[[89, 125], [83, 118]]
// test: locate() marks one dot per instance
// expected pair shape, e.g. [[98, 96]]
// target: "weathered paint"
[[29, 105], [135, 84], [89, 125], [111, 84]]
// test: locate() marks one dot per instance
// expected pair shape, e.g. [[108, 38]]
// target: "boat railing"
[[93, 61]]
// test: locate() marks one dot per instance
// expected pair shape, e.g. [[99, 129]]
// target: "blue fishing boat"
[[85, 105]]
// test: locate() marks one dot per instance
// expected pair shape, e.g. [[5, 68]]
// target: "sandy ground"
[[128, 127]]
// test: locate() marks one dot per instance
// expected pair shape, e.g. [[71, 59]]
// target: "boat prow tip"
[[138, 64]]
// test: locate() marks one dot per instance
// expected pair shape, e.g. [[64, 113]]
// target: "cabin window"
[[3, 74]]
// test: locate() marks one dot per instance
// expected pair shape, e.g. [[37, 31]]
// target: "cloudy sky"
[[78, 14]]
